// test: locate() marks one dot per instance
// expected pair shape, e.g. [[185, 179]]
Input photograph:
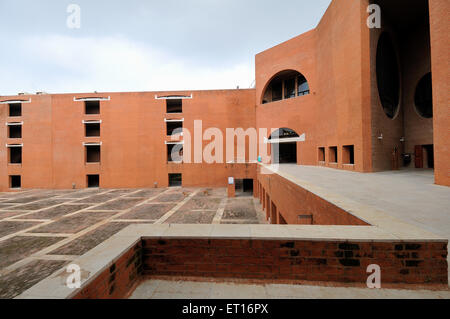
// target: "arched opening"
[[284, 149], [423, 97], [285, 85], [388, 78]]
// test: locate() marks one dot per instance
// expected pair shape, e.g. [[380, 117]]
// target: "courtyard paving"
[[42, 231]]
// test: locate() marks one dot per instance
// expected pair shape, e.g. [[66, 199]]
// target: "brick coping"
[[99, 259]]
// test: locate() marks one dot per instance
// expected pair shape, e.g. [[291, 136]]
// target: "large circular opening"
[[423, 97], [388, 78]]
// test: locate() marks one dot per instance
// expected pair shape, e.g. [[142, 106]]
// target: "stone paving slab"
[[164, 289], [18, 247], [8, 227], [74, 224], [54, 212], [25, 277], [38, 205], [148, 211], [94, 216]]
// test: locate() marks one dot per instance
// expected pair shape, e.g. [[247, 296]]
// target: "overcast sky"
[[137, 45]]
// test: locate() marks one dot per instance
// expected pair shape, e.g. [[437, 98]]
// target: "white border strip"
[[168, 121], [91, 121], [168, 97], [16, 101], [14, 123], [14, 145], [301, 138], [174, 143], [84, 99], [92, 144]]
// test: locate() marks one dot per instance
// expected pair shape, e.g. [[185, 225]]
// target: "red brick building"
[[367, 99]]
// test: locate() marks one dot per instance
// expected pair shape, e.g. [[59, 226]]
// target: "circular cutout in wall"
[[423, 97], [388, 78]]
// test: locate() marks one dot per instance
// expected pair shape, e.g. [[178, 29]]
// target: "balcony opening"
[[15, 154], [321, 154], [348, 154], [284, 146], [174, 128], [174, 106], [15, 181], [92, 153], [93, 181], [14, 131], [15, 109], [333, 154], [175, 180], [285, 85], [175, 153], [92, 129], [92, 107]]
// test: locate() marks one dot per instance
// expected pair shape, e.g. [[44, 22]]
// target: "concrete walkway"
[[161, 289], [409, 195]]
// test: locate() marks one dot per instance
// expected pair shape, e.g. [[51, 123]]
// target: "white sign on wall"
[[230, 180]]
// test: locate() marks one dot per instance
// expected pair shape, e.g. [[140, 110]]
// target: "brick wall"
[[118, 280], [406, 263], [292, 201]]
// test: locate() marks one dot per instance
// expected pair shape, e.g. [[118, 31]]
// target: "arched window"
[[285, 85], [388, 78], [424, 97]]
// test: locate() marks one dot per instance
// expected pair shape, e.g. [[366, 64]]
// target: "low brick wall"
[[284, 201], [118, 280], [331, 261]]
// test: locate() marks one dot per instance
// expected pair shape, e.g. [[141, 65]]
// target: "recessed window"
[[289, 88], [348, 154], [92, 107], [175, 180], [15, 109], [15, 181], [333, 154], [303, 86], [174, 105], [321, 154], [388, 78], [93, 181], [92, 129], [14, 131], [174, 153], [424, 97], [293, 82], [15, 154], [174, 128], [92, 153]]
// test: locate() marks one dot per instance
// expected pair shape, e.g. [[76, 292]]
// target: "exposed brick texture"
[[406, 263], [117, 280]]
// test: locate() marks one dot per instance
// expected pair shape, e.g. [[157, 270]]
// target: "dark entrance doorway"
[[284, 146], [243, 187], [424, 156]]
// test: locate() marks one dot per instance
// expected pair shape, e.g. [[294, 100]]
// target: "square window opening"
[[93, 181], [15, 109], [321, 154], [15, 155], [92, 107], [174, 153], [92, 129], [14, 131], [15, 181], [93, 154], [175, 180], [333, 154], [348, 154], [174, 105], [174, 128]]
